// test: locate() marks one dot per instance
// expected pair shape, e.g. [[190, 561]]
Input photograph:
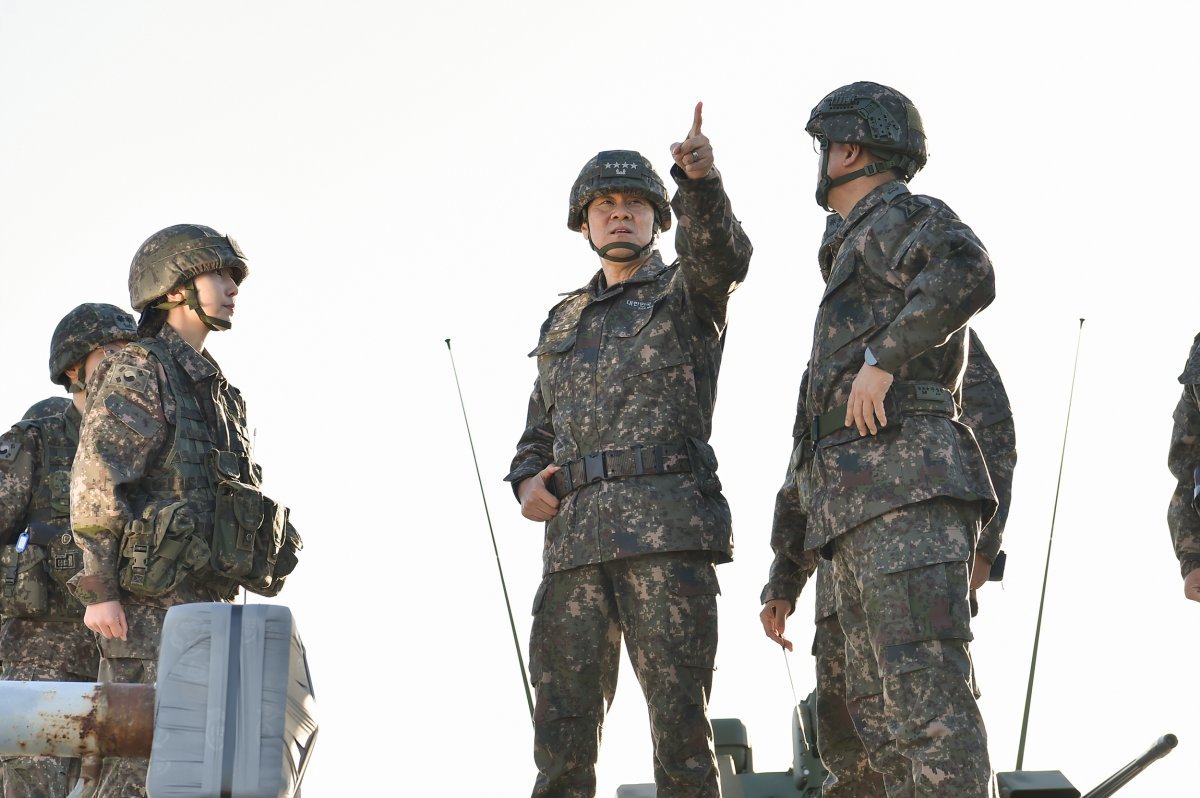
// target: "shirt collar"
[[197, 365]]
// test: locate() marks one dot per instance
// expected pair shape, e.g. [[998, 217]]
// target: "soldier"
[[842, 748], [42, 637], [899, 488], [50, 406], [615, 458], [164, 492], [1184, 461]]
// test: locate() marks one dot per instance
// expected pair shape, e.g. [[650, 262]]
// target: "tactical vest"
[[200, 512], [50, 503], [184, 478]]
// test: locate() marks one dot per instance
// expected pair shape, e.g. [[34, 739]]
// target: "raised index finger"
[[696, 120]]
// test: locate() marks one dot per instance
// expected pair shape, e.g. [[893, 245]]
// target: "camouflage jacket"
[[1183, 459], [127, 433], [907, 277], [23, 473], [985, 408], [636, 364]]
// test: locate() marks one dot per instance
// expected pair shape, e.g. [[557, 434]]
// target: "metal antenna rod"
[[503, 586], [1050, 543]]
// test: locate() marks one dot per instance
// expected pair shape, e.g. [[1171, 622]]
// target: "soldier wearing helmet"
[[42, 637], [165, 497], [1183, 458], [900, 490], [615, 461]]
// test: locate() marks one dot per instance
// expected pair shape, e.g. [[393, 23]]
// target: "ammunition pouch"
[[25, 589], [63, 558], [162, 548], [253, 542]]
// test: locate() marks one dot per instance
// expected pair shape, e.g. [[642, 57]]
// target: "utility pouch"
[[160, 549], [239, 514], [269, 581], [24, 591]]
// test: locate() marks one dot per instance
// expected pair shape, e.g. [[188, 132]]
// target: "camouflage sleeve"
[[535, 449], [998, 442], [123, 427], [792, 566], [20, 450], [987, 411], [714, 252], [948, 277], [1183, 458]]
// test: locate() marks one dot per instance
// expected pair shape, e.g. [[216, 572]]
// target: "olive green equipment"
[[27, 572], [250, 543], [50, 406]]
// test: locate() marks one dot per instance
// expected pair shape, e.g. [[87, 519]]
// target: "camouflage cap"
[[50, 406], [618, 171], [176, 254], [90, 325], [876, 116]]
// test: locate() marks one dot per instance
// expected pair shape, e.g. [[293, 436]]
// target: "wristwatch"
[[870, 358]]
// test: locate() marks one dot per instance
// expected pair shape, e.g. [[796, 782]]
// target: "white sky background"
[[399, 174]]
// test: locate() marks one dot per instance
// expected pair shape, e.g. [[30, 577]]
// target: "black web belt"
[[636, 461], [903, 399]]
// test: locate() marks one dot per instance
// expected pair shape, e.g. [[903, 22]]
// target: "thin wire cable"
[[503, 586], [1050, 543]]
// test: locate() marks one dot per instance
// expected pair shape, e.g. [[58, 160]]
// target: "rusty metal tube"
[[75, 719]]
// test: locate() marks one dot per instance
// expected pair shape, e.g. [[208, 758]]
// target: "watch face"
[[869, 356]]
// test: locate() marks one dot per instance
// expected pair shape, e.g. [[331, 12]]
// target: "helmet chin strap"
[[79, 384], [191, 298], [825, 182], [606, 251]]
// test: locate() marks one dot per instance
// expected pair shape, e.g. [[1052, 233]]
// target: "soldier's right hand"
[[106, 618], [1191, 585], [774, 618], [538, 503]]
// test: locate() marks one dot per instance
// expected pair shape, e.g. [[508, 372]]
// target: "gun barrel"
[[1123, 776], [75, 719]]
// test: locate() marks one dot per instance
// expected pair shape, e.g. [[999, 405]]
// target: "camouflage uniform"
[[162, 426], [1184, 461], [627, 378], [985, 408], [35, 465], [43, 637]]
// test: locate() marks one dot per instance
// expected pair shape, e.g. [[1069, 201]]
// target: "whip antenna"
[[1045, 576], [503, 586]]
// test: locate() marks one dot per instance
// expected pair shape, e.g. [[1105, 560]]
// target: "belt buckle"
[[593, 467]]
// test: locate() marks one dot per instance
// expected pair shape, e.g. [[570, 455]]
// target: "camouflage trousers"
[[665, 606], [842, 751], [44, 651], [130, 661], [902, 583]]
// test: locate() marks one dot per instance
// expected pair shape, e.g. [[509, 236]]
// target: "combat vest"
[[50, 503], [200, 513]]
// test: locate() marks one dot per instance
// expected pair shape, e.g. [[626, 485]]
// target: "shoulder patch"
[[9, 449], [132, 416], [133, 378]]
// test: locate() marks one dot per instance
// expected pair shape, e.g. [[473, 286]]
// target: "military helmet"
[[50, 406], [177, 254], [878, 117], [618, 171], [88, 326]]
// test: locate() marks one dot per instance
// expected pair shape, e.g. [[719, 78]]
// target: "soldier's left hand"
[[774, 619], [866, 399], [1191, 585], [694, 155], [980, 571]]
